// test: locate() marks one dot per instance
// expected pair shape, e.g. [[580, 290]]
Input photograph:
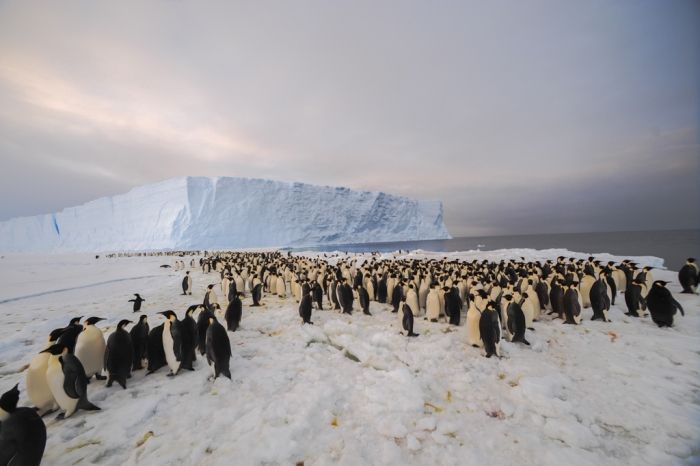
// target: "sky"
[[521, 116]]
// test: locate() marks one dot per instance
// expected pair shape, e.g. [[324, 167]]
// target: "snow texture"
[[218, 213], [350, 390]]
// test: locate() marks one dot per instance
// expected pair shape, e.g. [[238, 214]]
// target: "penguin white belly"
[[90, 350], [432, 306], [586, 284], [412, 301], [38, 390], [534, 302], [529, 313], [272, 285], [170, 358], [473, 333], [281, 287], [55, 378], [370, 290]]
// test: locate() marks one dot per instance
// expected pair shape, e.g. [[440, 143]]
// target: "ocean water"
[[673, 246]]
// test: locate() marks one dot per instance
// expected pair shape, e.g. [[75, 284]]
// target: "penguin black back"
[[218, 348], [119, 355], [156, 353], [22, 433]]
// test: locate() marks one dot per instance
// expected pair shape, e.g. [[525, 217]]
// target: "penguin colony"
[[499, 299]]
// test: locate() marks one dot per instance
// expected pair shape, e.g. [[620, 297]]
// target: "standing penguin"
[[90, 348], [156, 353], [599, 299], [634, 299], [22, 432], [137, 302], [202, 325], [317, 293], [472, 325], [119, 355], [490, 330], [689, 277], [305, 309], [188, 331], [37, 387], [234, 312], [172, 342], [210, 298], [187, 284], [661, 304], [432, 304], [363, 296], [67, 381], [218, 348], [572, 304], [407, 321], [453, 305], [139, 340], [515, 321], [70, 333], [257, 294], [556, 299], [397, 297]]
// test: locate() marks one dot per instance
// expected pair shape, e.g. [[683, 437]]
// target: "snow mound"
[[226, 213]]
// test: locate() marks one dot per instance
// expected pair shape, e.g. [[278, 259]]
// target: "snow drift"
[[224, 212]]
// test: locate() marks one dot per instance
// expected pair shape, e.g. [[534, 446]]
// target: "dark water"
[[674, 246]]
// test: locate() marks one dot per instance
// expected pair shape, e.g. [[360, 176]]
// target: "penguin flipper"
[[678, 305]]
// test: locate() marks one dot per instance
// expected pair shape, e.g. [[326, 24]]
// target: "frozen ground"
[[350, 390]]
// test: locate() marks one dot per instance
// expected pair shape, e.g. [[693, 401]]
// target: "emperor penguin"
[[156, 353], [38, 390], [634, 298], [516, 321], [305, 309], [490, 330], [90, 348], [689, 277], [188, 333], [137, 302], [234, 312], [363, 297], [22, 432], [528, 310], [572, 304], [585, 289], [412, 300], [432, 304], [70, 333], [119, 355], [172, 341], [662, 305], [139, 340], [472, 325], [407, 319], [281, 287], [67, 381], [218, 348], [600, 299], [210, 298], [187, 284]]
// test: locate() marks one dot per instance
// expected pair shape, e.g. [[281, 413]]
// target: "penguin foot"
[[475, 346], [532, 329], [61, 416], [434, 320], [100, 377], [171, 374]]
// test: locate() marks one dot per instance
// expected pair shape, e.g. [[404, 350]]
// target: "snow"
[[351, 390], [226, 212]]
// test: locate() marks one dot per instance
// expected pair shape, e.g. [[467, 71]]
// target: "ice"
[[226, 212]]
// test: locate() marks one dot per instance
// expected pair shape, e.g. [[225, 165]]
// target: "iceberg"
[[226, 213]]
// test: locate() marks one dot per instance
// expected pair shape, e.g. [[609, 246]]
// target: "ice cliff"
[[224, 212]]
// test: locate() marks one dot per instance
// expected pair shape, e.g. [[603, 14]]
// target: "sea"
[[673, 246]]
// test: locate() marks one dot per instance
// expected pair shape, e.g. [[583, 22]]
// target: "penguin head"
[[8, 400], [143, 318], [75, 320], [55, 334], [56, 349], [170, 315], [93, 320], [137, 295], [123, 323], [660, 283], [691, 260]]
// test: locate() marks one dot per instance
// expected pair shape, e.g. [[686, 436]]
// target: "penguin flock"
[[497, 300]]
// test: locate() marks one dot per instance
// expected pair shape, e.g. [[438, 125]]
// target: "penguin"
[[67, 381], [453, 305], [210, 298], [432, 304], [187, 284], [188, 329], [585, 290], [688, 276], [234, 312], [218, 348], [662, 306], [348, 298], [364, 299], [412, 300], [37, 387], [172, 341], [232, 290], [137, 302], [156, 353], [202, 325], [317, 293], [397, 297], [70, 333], [515, 321], [490, 330], [472, 325], [556, 299], [528, 308], [139, 340], [90, 348], [599, 299], [257, 294], [22, 432], [305, 309], [119, 355], [407, 320], [634, 299], [572, 304]]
